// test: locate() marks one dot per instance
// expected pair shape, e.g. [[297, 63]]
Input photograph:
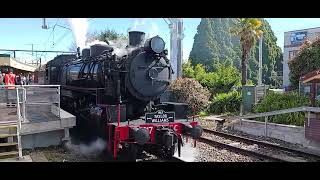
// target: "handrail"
[[19, 125], [278, 112], [24, 98], [283, 111], [21, 103], [30, 85]]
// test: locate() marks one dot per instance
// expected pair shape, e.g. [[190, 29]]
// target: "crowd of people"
[[9, 78]]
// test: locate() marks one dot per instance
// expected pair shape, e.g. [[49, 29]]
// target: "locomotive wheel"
[[139, 151], [168, 153], [129, 153]]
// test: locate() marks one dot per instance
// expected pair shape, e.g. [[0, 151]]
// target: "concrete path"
[[38, 157], [23, 159]]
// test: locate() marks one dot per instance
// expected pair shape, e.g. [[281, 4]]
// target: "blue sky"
[[20, 33]]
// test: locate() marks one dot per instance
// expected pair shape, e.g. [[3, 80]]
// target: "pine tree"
[[204, 49]]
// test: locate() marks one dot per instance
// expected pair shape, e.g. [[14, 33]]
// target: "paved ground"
[[24, 159], [38, 157]]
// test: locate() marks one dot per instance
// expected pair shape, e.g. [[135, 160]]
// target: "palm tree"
[[248, 29]]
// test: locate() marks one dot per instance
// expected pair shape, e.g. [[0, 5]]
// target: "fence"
[[35, 101], [29, 101], [278, 112]]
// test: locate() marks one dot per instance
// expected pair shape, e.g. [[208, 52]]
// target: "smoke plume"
[[95, 42], [147, 25], [119, 46], [79, 28]]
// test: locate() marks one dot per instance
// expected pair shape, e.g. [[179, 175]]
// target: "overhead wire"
[[49, 37]]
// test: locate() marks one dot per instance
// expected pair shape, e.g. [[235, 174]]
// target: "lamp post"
[[260, 61]]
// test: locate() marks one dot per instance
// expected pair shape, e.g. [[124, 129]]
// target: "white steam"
[[95, 147], [119, 46], [147, 25], [95, 42], [79, 28], [154, 29], [138, 24], [92, 149]]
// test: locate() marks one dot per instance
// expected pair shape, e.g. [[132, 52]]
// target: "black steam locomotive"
[[117, 98]]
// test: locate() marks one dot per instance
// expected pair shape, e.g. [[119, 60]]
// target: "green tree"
[[248, 29], [224, 79], [187, 69], [307, 60], [226, 49], [204, 49], [105, 35]]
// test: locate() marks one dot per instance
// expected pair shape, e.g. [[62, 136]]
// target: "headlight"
[[156, 44]]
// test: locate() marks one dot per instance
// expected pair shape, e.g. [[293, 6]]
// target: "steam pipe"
[[119, 101]]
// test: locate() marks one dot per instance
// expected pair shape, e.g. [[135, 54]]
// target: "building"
[[292, 43], [7, 62]]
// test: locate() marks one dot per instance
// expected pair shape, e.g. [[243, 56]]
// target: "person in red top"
[[10, 79]]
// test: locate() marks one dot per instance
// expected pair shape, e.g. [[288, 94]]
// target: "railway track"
[[174, 159], [271, 152]]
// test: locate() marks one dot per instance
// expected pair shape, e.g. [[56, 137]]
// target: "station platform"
[[43, 122], [23, 159]]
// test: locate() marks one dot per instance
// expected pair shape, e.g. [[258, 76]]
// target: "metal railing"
[[25, 96], [35, 96], [278, 112], [19, 124]]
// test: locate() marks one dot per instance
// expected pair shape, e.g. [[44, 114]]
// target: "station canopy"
[[12, 62]]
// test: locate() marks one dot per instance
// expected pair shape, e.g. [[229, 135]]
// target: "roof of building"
[[310, 77], [14, 63], [302, 29]]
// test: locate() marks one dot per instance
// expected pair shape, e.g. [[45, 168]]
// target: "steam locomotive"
[[118, 98]]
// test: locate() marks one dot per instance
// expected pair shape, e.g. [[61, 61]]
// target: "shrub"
[[222, 80], [276, 101], [190, 91], [187, 70], [226, 102]]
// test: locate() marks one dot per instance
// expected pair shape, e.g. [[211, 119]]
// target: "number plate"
[[160, 117]]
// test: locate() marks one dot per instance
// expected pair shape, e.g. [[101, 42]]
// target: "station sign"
[[160, 117]]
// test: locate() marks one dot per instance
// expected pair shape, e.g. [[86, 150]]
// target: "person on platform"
[[1, 79], [18, 79], [24, 79], [30, 79], [10, 79]]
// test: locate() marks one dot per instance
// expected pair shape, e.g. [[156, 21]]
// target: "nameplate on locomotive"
[[160, 117]]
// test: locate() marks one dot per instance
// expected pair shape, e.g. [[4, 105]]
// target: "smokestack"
[[136, 38]]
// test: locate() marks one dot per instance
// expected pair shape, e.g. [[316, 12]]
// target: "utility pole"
[[44, 24], [31, 48], [260, 61], [179, 46], [176, 36]]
